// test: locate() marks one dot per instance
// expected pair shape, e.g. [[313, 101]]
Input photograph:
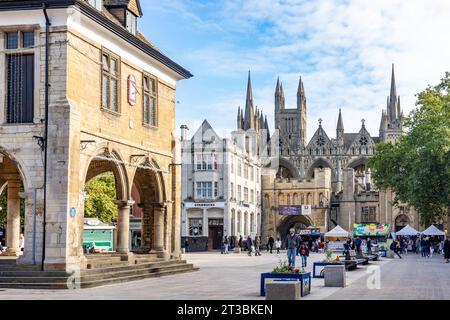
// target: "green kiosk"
[[98, 235]]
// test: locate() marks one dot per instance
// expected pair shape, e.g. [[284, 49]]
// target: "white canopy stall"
[[336, 238], [433, 231], [407, 231]]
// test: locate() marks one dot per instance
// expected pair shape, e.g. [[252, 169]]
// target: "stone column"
[[205, 222], [13, 218], [158, 240], [123, 227], [147, 227]]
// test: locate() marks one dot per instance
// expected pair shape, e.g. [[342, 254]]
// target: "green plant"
[[284, 267]]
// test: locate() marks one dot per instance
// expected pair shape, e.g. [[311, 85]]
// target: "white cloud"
[[343, 50]]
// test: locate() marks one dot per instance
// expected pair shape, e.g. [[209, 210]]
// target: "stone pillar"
[[13, 218], [205, 222], [123, 227], [158, 240]]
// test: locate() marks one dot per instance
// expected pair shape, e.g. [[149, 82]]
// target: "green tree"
[[417, 167], [101, 196], [4, 207]]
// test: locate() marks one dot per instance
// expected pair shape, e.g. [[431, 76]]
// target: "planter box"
[[303, 278], [319, 267]]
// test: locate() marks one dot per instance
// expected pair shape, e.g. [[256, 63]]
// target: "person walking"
[[270, 243], [278, 245], [225, 245], [304, 253], [257, 246], [347, 246], [240, 242], [417, 245], [249, 245], [395, 246], [369, 246], [21, 242], [447, 250], [358, 243], [292, 243]]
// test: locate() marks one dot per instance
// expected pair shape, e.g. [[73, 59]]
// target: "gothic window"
[[303, 199], [288, 200], [195, 227], [320, 141], [363, 141]]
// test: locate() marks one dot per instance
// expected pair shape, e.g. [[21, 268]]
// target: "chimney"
[[184, 132]]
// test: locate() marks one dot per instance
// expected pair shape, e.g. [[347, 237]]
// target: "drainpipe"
[[34, 227], [47, 29]]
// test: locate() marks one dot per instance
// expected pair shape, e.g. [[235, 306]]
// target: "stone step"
[[33, 274], [132, 271], [181, 269], [121, 267]]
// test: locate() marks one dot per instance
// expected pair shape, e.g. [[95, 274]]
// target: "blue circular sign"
[[73, 212]]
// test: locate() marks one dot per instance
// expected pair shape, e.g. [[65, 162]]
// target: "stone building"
[[328, 173], [220, 185], [111, 108]]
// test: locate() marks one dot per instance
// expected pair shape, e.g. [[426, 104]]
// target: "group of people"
[[296, 246], [426, 246], [21, 244]]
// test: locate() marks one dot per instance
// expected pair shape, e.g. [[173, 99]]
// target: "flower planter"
[[304, 278], [318, 268]]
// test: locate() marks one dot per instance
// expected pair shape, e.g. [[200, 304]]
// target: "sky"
[[343, 50]]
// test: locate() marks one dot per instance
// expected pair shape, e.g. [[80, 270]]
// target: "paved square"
[[236, 276]]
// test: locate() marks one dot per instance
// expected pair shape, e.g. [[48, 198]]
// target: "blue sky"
[[342, 49]]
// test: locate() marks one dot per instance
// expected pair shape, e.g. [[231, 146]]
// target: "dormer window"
[[131, 22], [97, 4]]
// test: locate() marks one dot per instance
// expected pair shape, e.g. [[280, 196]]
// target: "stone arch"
[[266, 201], [358, 163], [239, 223], [288, 222], [104, 161], [148, 180], [401, 221], [13, 176], [319, 163], [295, 200], [290, 171], [281, 198]]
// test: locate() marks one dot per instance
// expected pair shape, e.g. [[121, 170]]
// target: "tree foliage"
[[101, 197], [417, 167], [4, 207]]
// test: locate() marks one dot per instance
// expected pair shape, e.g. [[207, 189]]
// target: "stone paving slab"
[[237, 277]]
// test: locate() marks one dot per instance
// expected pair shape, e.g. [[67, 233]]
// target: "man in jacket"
[[292, 243], [447, 250]]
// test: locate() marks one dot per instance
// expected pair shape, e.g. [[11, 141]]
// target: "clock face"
[[320, 141], [363, 141]]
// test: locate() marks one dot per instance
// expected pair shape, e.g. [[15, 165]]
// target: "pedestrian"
[[292, 243], [369, 246], [267, 242], [225, 244], [358, 243], [418, 245], [186, 245], [21, 242], [278, 245], [347, 246], [240, 242], [231, 242], [249, 245], [257, 246], [395, 246], [304, 253], [271, 242], [447, 250]]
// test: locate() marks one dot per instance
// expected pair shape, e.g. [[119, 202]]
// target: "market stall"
[[432, 231], [336, 238], [407, 231]]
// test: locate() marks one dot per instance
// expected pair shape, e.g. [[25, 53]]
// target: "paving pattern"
[[236, 277]]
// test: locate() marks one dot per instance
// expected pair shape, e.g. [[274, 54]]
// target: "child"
[[304, 253], [278, 245]]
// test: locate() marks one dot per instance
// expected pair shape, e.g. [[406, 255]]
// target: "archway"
[[289, 222], [319, 163], [148, 181], [401, 221], [287, 170], [108, 194], [12, 207], [359, 165]]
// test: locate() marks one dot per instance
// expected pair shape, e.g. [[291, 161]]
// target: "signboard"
[[204, 204], [100, 238], [294, 210], [132, 90], [335, 245], [371, 229], [73, 212]]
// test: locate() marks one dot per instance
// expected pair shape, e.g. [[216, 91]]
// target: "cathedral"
[[328, 173]]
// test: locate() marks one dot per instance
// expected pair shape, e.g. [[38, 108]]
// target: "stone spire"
[[282, 99], [239, 120], [340, 129], [301, 98], [249, 113], [392, 100]]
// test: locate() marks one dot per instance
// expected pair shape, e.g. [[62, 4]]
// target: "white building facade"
[[220, 187]]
